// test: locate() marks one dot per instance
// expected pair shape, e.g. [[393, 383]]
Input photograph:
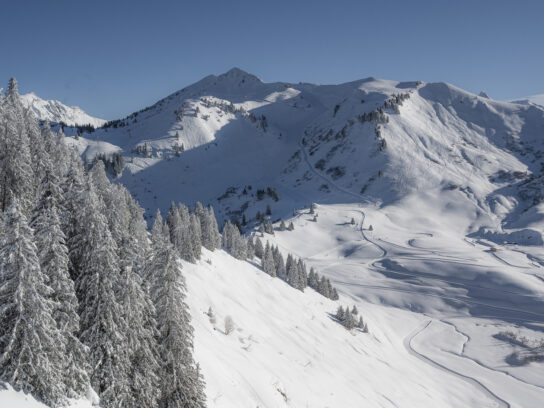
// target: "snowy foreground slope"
[[13, 399], [286, 350], [55, 112]]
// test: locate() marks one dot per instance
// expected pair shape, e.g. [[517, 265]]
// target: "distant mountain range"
[[55, 112]]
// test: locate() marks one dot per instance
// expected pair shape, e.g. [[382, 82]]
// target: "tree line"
[[87, 300]]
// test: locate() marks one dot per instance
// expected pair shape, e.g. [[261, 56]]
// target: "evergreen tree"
[[313, 279], [302, 275], [259, 250], [268, 261], [323, 287], [103, 328], [52, 253], [250, 248], [340, 313], [188, 251], [195, 232], [334, 295], [215, 236], [181, 385], [280, 264], [291, 226], [31, 346], [268, 227], [16, 173], [139, 315], [282, 226], [292, 271]]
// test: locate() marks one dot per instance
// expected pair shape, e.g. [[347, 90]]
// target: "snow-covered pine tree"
[[52, 253], [187, 249], [103, 328], [268, 227], [178, 225], [196, 235], [268, 261], [250, 248], [349, 321], [215, 236], [259, 250], [323, 288], [282, 226], [227, 237], [291, 226], [292, 271], [137, 236], [334, 294], [16, 173], [302, 275], [313, 279], [181, 383], [158, 236], [279, 263], [340, 313], [139, 315], [31, 346]]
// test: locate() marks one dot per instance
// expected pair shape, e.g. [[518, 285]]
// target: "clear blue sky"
[[114, 57]]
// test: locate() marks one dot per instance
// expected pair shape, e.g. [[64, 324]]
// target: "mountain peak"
[[236, 73]]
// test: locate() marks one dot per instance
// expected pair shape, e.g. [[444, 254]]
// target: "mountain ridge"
[[55, 112]]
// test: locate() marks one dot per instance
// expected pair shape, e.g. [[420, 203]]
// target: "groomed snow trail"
[[409, 347]]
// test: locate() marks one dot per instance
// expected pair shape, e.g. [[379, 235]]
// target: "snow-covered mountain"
[[56, 112], [430, 219], [538, 99], [384, 140]]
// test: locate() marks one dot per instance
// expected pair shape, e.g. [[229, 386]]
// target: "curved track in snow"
[[409, 347]]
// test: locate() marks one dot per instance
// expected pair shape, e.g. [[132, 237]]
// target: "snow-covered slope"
[[9, 398], [287, 350], [450, 276], [56, 112], [382, 139], [538, 99]]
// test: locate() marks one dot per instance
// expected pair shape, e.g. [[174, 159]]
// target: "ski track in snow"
[[408, 345], [462, 355]]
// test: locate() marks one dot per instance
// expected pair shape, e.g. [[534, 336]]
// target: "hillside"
[[429, 218]]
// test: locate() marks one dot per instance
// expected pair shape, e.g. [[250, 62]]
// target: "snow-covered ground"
[[453, 186], [10, 398], [433, 314]]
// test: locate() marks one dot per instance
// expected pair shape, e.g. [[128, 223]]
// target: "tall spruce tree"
[[103, 328], [268, 261], [181, 383], [52, 253], [31, 346]]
